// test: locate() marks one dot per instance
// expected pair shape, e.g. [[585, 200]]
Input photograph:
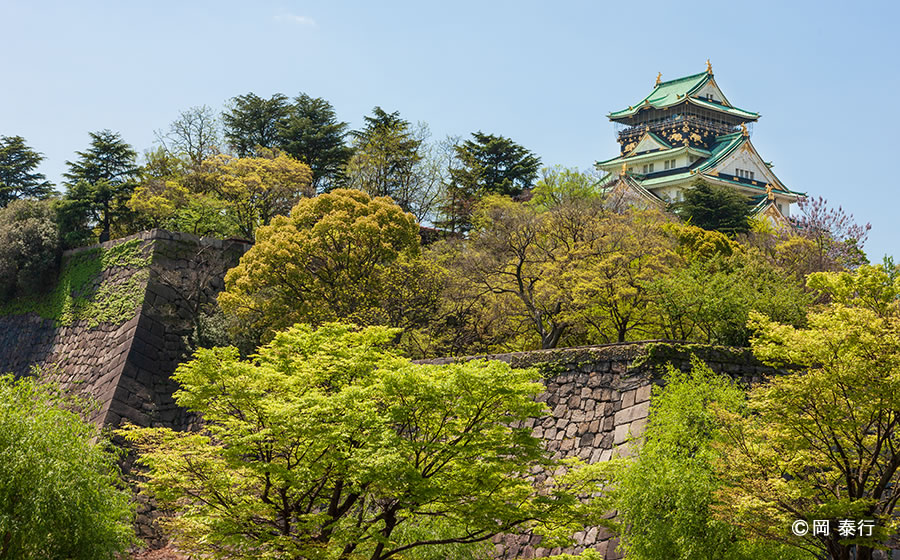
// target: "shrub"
[[59, 484], [29, 247]]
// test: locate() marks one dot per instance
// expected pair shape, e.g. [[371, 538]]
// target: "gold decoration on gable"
[[696, 137]]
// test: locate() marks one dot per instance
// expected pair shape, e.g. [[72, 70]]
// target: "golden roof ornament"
[[623, 168], [769, 194], [744, 130], [708, 67], [658, 78]]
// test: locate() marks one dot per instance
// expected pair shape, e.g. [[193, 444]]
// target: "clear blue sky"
[[823, 75]]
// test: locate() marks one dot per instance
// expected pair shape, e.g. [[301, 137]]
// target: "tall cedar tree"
[[487, 164], [500, 165], [101, 181], [312, 134], [17, 171], [387, 152], [715, 208], [253, 121]]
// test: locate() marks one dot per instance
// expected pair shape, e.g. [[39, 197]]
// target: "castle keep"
[[686, 130]]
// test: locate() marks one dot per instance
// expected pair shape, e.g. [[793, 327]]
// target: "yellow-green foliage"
[[79, 293], [824, 443], [340, 255]]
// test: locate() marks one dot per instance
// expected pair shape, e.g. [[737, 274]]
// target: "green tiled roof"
[[667, 93], [725, 109], [672, 92], [725, 144], [654, 154]]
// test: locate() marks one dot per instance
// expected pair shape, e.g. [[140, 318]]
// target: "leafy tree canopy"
[[822, 443], [29, 247], [253, 121], [498, 165], [18, 178], [715, 207], [340, 255], [485, 164], [327, 445], [256, 189], [387, 153], [559, 185], [61, 495], [312, 134], [665, 493], [100, 182]]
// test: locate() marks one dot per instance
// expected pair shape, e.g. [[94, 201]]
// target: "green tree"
[[486, 164], [709, 294], [610, 276], [100, 182], [312, 134], [573, 274], [559, 185], [193, 137], [665, 493], [387, 152], [715, 207], [18, 178], [327, 445], [252, 121], [500, 165], [511, 266], [29, 247], [822, 443], [60, 492], [339, 255], [256, 189]]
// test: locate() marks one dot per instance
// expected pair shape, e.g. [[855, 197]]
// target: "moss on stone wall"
[[99, 285]]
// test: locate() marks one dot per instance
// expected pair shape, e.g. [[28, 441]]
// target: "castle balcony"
[[626, 134]]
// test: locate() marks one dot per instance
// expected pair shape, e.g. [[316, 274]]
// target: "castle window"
[[667, 164]]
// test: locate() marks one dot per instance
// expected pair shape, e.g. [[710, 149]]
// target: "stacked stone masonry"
[[126, 367], [599, 398]]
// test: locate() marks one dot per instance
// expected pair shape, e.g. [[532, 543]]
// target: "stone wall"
[[126, 366], [598, 396]]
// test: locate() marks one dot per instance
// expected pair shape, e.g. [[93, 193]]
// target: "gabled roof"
[[725, 144], [648, 142], [625, 185], [674, 92]]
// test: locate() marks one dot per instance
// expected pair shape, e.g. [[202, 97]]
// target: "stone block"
[[643, 393], [638, 427], [633, 413], [621, 434]]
